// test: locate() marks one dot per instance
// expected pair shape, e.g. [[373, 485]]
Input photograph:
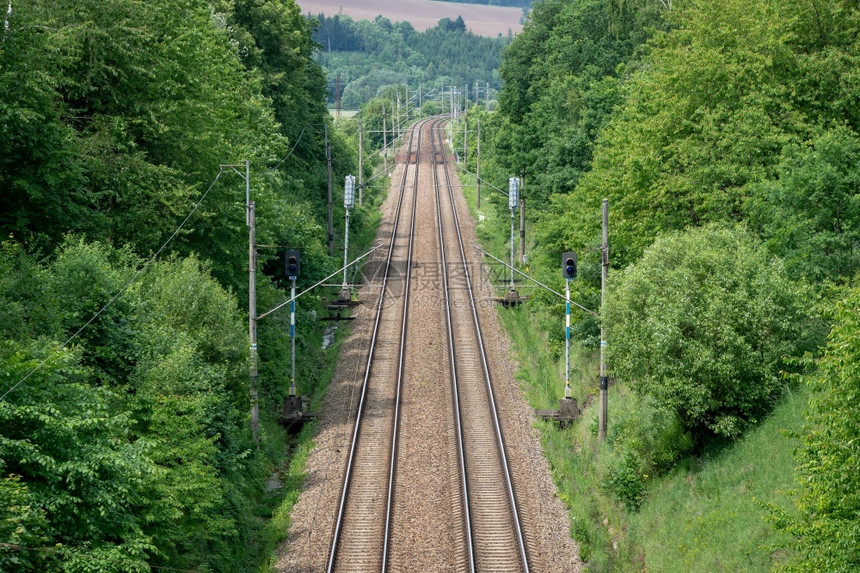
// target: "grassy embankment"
[[706, 514]]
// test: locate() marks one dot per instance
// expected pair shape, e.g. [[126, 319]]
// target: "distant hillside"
[[370, 55], [483, 20]]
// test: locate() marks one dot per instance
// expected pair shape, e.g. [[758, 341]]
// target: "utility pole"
[[360, 163], [384, 142], [337, 95], [397, 130], [465, 142], [330, 208], [478, 171], [252, 293], [488, 96], [252, 310], [522, 215], [604, 380]]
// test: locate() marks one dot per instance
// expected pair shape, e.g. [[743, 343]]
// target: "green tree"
[[810, 213], [704, 324], [827, 529], [714, 104]]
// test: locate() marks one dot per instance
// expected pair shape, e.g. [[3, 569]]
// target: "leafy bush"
[[827, 529], [626, 481], [703, 325]]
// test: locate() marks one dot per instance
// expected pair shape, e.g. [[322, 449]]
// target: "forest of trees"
[[725, 136], [124, 387], [371, 56]]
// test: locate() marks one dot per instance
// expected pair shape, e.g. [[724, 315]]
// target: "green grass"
[[707, 515]]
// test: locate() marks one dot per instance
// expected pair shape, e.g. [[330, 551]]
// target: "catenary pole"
[[252, 317], [478, 171], [384, 142], [330, 200], [604, 380], [360, 164], [522, 215]]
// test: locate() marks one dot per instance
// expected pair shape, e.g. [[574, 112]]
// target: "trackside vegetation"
[[724, 136], [125, 442]]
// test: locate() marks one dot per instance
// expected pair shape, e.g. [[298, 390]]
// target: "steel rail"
[[493, 406], [451, 354], [402, 358], [368, 367]]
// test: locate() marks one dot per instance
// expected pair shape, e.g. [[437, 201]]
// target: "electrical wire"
[[481, 179], [287, 156], [117, 295]]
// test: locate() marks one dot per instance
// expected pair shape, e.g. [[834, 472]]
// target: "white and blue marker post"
[[568, 268], [348, 203], [513, 201], [293, 337], [293, 268]]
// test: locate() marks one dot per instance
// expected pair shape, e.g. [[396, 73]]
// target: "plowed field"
[[422, 14]]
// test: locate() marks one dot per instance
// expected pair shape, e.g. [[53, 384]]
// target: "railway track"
[[494, 523], [427, 384]]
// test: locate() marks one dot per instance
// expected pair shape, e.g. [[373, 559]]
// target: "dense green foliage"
[[733, 89], [372, 56], [129, 447], [827, 529], [684, 114], [702, 324], [125, 441]]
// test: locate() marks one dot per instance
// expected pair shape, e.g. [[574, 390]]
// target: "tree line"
[[371, 56], [124, 435]]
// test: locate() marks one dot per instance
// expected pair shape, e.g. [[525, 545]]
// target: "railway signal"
[[348, 203], [293, 261], [568, 265]]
